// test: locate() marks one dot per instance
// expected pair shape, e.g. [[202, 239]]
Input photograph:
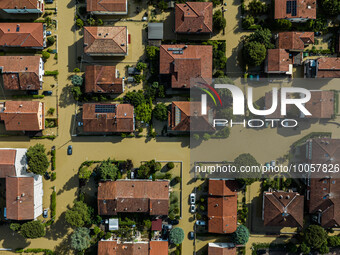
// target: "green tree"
[[170, 165], [162, 5], [219, 22], [77, 80], [331, 7], [141, 66], [80, 239], [50, 40], [79, 23], [246, 159], [134, 98], [152, 52], [148, 168], [15, 226], [254, 53], [241, 235], [91, 21], [333, 241], [45, 55], [248, 21], [304, 248], [33, 229], [283, 24], [36, 159], [84, 173], [79, 215], [257, 8], [206, 137], [314, 236], [99, 22], [143, 112], [176, 235], [263, 36], [160, 112], [107, 170], [324, 249], [76, 91]]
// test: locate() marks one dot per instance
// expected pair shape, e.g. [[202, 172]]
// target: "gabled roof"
[[295, 40], [223, 187], [20, 198], [305, 9], [283, 209], [278, 60], [7, 163], [23, 115], [113, 6], [133, 196], [321, 104], [185, 62], [18, 4], [158, 248], [20, 72], [221, 249], [22, 35], [186, 116], [328, 67], [194, 17], [105, 40], [108, 118], [133, 248], [102, 79]]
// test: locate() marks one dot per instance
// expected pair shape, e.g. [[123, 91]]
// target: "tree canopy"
[[246, 159], [241, 235], [315, 236], [77, 80], [160, 112], [176, 235], [331, 7], [143, 112], [148, 168], [79, 215], [107, 170], [263, 36], [254, 53], [219, 21], [36, 159], [80, 239], [134, 98], [33, 229]]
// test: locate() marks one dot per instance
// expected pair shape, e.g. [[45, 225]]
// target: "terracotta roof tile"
[[22, 35], [321, 104], [223, 187], [20, 72], [305, 9], [133, 196], [7, 163], [195, 61], [122, 248], [158, 248], [120, 119], [23, 115], [295, 40], [278, 60], [105, 40], [18, 4], [194, 17], [214, 250], [107, 6], [102, 79], [328, 68]]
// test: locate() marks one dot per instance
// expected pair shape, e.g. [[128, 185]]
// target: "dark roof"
[[102, 79], [186, 62], [157, 225], [283, 209], [155, 31], [295, 40], [194, 17], [305, 9], [119, 118], [107, 6], [133, 196]]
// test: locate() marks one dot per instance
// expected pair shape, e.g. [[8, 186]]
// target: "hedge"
[[36, 250], [53, 204], [53, 152], [51, 73], [53, 176], [51, 137], [29, 96]]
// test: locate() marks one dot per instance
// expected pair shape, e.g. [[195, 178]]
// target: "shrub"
[[80, 239], [50, 40], [107, 170], [15, 226], [170, 165], [77, 80], [76, 70], [141, 66], [206, 137], [51, 73], [160, 112], [33, 229], [36, 159], [51, 111], [96, 230], [107, 235], [241, 235], [176, 235], [79, 23], [196, 137], [53, 176], [84, 173], [219, 21], [99, 22], [45, 55]]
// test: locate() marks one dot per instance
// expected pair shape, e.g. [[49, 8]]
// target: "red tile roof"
[[305, 9], [186, 116], [321, 104], [295, 40], [269, 102], [102, 79], [22, 35], [7, 163], [328, 68], [223, 187], [105, 40], [159, 248], [133, 196], [20, 198], [284, 209], [20, 72], [120, 119], [195, 61], [130, 248], [23, 115], [278, 61], [107, 6], [156, 225], [194, 17], [214, 250], [18, 4]]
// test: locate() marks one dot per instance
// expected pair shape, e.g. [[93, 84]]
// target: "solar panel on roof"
[[289, 7], [105, 108], [293, 8]]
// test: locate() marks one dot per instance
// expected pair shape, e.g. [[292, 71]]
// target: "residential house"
[[24, 191], [131, 196], [321, 105], [268, 101], [106, 41], [282, 209], [186, 117], [323, 192], [23, 35], [21, 72], [108, 118], [181, 63], [325, 67], [294, 41], [113, 247], [295, 10], [22, 6], [23, 115], [221, 249], [107, 7], [222, 206], [194, 18], [278, 62], [103, 79]]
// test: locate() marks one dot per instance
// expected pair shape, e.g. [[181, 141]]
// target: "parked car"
[[80, 124], [192, 198], [191, 235], [32, 92], [48, 33], [45, 213], [47, 176], [47, 93], [49, 1], [192, 208], [173, 222], [200, 222], [69, 150], [167, 227]]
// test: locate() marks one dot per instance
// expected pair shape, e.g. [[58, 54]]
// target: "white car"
[[192, 198], [192, 208], [200, 222]]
